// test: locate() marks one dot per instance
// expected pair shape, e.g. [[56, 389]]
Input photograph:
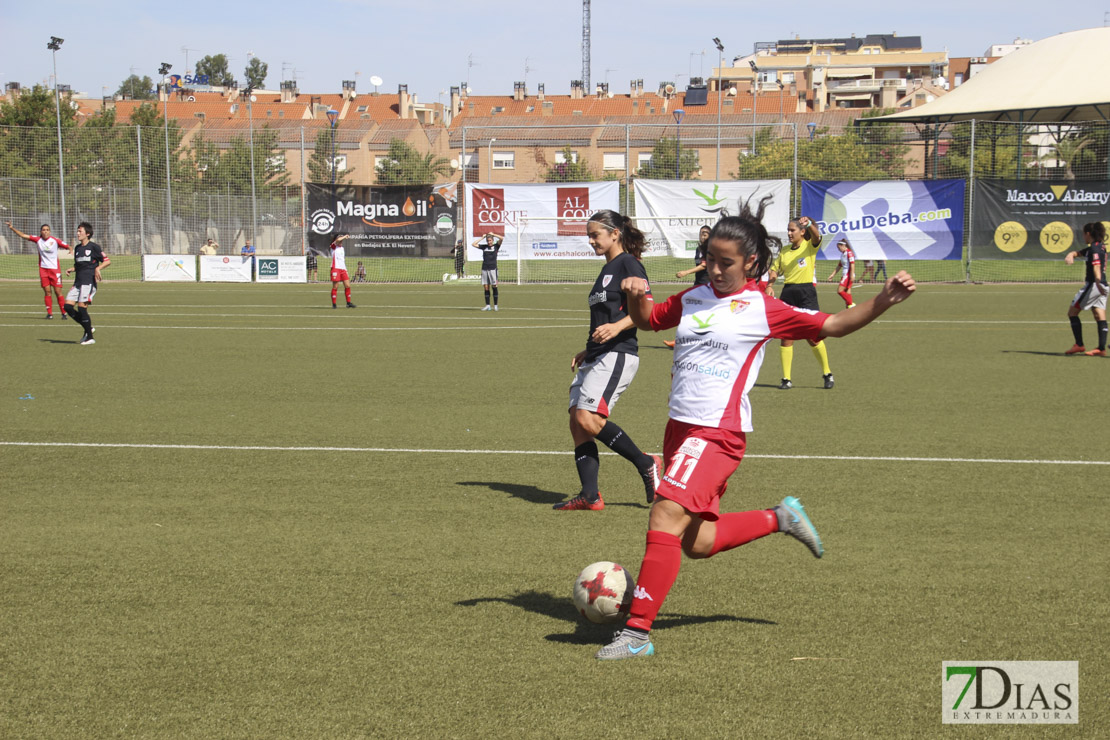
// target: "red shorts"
[[339, 276], [49, 277], [698, 463], [846, 284]]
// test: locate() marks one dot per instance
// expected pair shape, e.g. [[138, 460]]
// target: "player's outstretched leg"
[[794, 522]]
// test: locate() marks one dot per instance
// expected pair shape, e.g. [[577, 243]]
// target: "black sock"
[[71, 311], [1077, 329], [83, 317], [613, 437], [1101, 334], [585, 459], [487, 296], [495, 295]]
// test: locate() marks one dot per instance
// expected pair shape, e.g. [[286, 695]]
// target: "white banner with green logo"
[[282, 270], [682, 207]]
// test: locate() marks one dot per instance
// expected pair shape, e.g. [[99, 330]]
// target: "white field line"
[[361, 315], [576, 327], [36, 307], [436, 451]]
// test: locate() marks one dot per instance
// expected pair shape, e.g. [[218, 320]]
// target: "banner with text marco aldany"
[[174, 268], [497, 209], [382, 220], [687, 205], [1035, 219], [889, 219]]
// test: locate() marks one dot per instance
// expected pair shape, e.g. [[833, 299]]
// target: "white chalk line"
[[447, 451], [576, 327]]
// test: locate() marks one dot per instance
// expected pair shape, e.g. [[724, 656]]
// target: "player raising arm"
[[723, 329], [50, 273]]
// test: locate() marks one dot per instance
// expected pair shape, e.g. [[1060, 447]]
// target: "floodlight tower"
[[55, 44], [586, 46]]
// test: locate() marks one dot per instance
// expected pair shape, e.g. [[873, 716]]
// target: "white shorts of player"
[[81, 293], [601, 382], [1089, 297], [489, 277]]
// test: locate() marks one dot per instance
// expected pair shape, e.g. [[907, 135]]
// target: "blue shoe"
[[794, 522], [624, 645]]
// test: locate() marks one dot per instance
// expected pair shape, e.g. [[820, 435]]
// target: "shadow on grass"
[[587, 633], [536, 495], [61, 341], [1034, 352]]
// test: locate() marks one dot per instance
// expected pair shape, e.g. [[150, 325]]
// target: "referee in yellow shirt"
[[797, 263]]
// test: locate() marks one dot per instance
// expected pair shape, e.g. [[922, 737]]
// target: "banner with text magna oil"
[[382, 220], [889, 219], [1035, 219]]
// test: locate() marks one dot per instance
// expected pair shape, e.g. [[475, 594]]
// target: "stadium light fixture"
[[720, 96], [755, 94], [54, 44], [164, 68]]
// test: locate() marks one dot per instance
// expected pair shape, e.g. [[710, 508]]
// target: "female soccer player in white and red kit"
[[847, 267], [723, 329], [339, 271], [50, 273]]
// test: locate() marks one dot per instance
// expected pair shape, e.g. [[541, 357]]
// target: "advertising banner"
[[497, 209], [383, 220], [224, 269], [175, 268], [282, 270], [690, 204], [889, 219], [1035, 219]]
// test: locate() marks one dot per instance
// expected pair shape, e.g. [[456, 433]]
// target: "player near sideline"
[[88, 260], [50, 274], [847, 267], [722, 331], [1093, 293], [607, 366], [339, 271], [798, 264], [490, 248]]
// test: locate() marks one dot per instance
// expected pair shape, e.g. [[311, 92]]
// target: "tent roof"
[[1061, 78]]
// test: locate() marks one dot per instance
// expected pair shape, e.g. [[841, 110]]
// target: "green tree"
[[404, 165], [215, 66], [28, 136], [35, 107], [661, 166], [255, 73], [230, 169], [137, 88], [825, 157], [570, 170], [319, 162]]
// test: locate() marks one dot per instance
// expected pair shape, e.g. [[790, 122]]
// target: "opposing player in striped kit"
[[50, 273], [723, 329]]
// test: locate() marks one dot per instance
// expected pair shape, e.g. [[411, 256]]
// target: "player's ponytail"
[[750, 235], [633, 240]]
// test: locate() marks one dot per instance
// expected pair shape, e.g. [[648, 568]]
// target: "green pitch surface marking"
[[356, 591]]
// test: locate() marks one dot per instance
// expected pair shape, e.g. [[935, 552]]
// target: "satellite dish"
[[732, 91], [254, 98], [668, 89], [609, 95], [191, 99], [454, 164], [375, 80]]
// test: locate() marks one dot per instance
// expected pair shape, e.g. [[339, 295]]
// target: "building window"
[[275, 164], [613, 160], [470, 160], [340, 162], [788, 78], [504, 160], [643, 158], [561, 158]]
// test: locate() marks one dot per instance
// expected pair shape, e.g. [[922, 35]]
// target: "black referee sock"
[[613, 437], [585, 459], [494, 295], [1077, 329], [1101, 334], [487, 296]]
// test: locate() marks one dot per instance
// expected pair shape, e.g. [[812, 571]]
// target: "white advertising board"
[[282, 270], [175, 268]]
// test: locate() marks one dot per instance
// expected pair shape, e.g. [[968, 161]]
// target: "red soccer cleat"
[[669, 343], [581, 503], [1076, 349]]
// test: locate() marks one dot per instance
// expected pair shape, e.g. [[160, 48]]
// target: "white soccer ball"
[[603, 592]]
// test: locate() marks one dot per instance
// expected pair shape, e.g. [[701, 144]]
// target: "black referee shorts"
[[800, 295]]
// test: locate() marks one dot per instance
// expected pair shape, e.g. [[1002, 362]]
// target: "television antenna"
[[375, 81], [469, 63], [185, 50]]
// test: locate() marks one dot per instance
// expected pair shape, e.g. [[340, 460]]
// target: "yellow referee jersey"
[[797, 265]]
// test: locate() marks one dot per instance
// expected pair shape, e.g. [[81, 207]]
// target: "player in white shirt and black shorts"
[[50, 273], [339, 271], [490, 248], [609, 363], [722, 331]]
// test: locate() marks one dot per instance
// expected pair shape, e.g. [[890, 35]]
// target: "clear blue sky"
[[427, 44]]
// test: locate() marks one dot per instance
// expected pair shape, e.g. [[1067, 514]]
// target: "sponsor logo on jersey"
[[702, 325], [598, 297], [693, 302]]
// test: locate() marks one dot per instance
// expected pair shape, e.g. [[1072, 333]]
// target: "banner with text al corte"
[[889, 219], [498, 209], [690, 204], [382, 220], [1035, 219]]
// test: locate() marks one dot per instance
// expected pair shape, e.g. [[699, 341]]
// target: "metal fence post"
[[304, 196], [627, 165], [142, 227], [970, 203]]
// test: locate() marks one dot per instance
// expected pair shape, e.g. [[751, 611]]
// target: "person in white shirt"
[[339, 271], [50, 273]]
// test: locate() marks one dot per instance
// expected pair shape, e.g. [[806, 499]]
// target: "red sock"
[[347, 292], [662, 558], [334, 293], [742, 527], [846, 295], [49, 305]]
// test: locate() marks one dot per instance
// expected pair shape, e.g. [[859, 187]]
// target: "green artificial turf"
[[386, 563]]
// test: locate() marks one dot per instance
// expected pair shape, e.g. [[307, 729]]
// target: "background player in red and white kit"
[[723, 329], [339, 270], [847, 264], [50, 272]]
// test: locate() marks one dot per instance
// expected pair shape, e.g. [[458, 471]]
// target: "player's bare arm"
[[18, 233], [810, 228], [605, 332], [577, 360], [639, 302], [895, 290]]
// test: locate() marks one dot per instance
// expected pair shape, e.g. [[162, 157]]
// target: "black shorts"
[[800, 295]]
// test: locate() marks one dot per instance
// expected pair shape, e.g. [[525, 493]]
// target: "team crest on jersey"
[[738, 305], [802, 262], [692, 447], [606, 280]]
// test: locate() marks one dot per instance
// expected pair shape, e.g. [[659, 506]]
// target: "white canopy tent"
[[1059, 79]]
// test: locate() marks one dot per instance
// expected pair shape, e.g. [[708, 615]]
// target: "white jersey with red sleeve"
[[338, 256], [48, 251], [719, 348]]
